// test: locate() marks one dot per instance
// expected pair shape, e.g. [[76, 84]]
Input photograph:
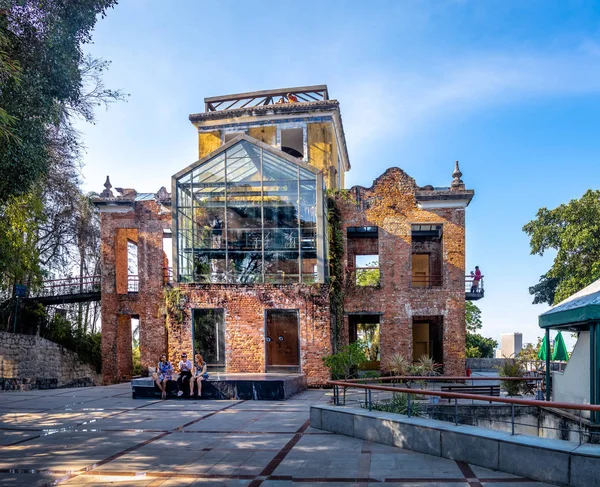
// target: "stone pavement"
[[100, 436]]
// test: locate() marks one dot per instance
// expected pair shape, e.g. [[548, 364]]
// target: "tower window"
[[292, 142]]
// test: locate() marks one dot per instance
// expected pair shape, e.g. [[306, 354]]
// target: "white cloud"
[[376, 106]]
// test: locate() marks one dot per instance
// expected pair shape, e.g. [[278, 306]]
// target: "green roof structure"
[[576, 311]]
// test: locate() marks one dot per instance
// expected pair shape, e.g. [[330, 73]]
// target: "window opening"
[[363, 255], [426, 256], [132, 267], [366, 330], [292, 142], [209, 336], [367, 270], [135, 345], [428, 338]]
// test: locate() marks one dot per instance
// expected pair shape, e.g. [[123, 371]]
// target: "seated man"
[[185, 374]]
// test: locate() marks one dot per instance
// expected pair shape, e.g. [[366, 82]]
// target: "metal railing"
[[266, 97], [427, 281], [67, 287], [133, 284], [466, 408], [474, 286]]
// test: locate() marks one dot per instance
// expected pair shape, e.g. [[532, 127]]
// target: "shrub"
[[345, 363], [425, 366], [396, 365], [512, 368], [399, 405]]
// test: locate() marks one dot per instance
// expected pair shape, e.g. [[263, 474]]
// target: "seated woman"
[[200, 374], [164, 372]]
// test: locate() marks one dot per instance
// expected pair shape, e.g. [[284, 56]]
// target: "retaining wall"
[[557, 462], [30, 362]]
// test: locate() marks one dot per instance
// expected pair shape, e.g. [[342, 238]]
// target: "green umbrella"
[[560, 349], [542, 352]]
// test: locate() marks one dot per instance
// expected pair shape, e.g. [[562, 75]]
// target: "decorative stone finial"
[[107, 193], [457, 182]]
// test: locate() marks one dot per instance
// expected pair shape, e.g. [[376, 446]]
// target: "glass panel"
[[282, 338], [281, 267], [209, 336], [245, 267], [236, 203]]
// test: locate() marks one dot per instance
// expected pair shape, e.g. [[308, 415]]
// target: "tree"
[[368, 277], [44, 80], [530, 352], [476, 345], [573, 231], [472, 317]]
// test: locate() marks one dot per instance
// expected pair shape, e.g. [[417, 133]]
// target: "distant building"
[[510, 344], [273, 265]]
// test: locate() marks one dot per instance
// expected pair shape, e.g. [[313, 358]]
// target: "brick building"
[[259, 260]]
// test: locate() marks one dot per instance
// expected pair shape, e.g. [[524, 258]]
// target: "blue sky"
[[509, 88]]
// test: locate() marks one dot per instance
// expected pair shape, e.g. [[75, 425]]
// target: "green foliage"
[[137, 361], [368, 277], [336, 268], [512, 368], [399, 405], [345, 363], [370, 332], [19, 256], [573, 231], [472, 316], [478, 346], [530, 352], [397, 364], [370, 374], [172, 305], [43, 81], [425, 366]]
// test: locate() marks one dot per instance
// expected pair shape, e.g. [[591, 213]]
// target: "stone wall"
[[32, 361], [391, 205]]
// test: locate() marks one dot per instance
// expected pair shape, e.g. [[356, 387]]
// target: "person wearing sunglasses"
[[185, 374]]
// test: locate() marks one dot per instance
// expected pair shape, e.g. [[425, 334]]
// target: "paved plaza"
[[100, 436]]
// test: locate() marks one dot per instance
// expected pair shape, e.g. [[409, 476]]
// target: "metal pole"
[[15, 317], [580, 427], [456, 411], [547, 364], [366, 399], [335, 396], [370, 401], [512, 418], [408, 405]]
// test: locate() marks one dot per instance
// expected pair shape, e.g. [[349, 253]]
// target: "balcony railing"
[[133, 284], [473, 288], [427, 281]]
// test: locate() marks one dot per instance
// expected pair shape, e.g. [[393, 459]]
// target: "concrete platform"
[[225, 386]]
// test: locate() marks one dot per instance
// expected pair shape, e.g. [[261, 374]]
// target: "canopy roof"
[[577, 310]]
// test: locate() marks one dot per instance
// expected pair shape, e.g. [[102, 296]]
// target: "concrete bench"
[[474, 389]]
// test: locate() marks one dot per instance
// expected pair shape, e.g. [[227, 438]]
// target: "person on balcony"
[[185, 373], [164, 373], [476, 278], [292, 98]]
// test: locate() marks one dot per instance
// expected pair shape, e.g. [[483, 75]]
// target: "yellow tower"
[[302, 122]]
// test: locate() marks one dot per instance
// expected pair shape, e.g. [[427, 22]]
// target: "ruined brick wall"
[[391, 205], [150, 220], [245, 307]]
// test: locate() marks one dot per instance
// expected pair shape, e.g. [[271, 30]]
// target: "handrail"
[[476, 397], [433, 378]]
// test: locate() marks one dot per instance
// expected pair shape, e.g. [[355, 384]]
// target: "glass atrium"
[[248, 215]]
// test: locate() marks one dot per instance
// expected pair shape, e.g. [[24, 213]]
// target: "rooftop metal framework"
[[266, 97]]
